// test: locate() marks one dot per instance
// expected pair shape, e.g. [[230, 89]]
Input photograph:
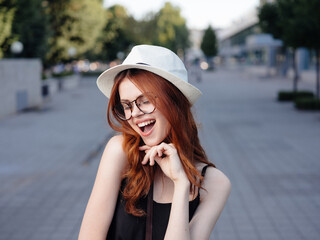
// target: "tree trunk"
[[317, 73], [295, 70]]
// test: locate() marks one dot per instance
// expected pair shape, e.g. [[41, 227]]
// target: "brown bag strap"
[[149, 214]]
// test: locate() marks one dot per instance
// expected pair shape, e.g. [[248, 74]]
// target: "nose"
[[136, 111]]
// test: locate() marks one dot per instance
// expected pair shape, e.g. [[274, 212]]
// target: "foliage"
[[209, 43], [307, 13], [91, 74], [309, 21], [49, 29], [114, 37], [307, 103], [144, 30], [75, 24], [30, 27], [277, 18], [269, 19], [165, 28], [7, 11], [297, 24], [62, 74], [291, 23], [291, 95], [170, 29]]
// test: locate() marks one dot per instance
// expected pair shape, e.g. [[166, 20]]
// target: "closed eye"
[[126, 106]]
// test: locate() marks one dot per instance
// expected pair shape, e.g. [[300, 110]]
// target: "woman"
[[157, 160]]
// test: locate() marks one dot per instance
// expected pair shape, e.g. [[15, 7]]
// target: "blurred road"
[[269, 150]]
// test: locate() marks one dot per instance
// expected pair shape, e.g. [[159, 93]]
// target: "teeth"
[[146, 123]]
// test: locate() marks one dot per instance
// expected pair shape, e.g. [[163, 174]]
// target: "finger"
[[145, 158], [149, 157], [152, 156], [160, 153], [165, 149], [144, 147]]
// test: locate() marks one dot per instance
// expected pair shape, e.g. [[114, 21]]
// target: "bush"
[[62, 74], [291, 96], [307, 103], [91, 74]]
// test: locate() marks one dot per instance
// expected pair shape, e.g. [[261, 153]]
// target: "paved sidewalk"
[[48, 161], [269, 150]]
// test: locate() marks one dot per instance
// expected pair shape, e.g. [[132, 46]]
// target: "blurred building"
[[244, 44]]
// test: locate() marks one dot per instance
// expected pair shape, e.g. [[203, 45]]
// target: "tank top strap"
[[203, 173], [204, 169]]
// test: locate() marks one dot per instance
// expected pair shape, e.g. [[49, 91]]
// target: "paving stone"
[[269, 150]]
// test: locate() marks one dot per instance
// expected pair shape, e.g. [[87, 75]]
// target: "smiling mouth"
[[146, 126]]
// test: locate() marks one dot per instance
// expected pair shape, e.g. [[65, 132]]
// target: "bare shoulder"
[[114, 154], [216, 182], [216, 177], [116, 142], [105, 191], [213, 197]]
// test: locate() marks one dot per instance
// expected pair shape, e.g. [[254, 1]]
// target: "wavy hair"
[[183, 133]]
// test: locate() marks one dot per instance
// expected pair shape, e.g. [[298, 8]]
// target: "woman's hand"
[[166, 155]]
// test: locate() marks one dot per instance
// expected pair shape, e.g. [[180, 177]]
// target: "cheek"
[[168, 128], [165, 125], [132, 125]]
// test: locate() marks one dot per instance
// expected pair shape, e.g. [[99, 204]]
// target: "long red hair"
[[183, 133]]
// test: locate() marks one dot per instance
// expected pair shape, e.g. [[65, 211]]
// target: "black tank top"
[[125, 226]]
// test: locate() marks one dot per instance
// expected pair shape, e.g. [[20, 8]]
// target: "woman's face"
[[154, 127]]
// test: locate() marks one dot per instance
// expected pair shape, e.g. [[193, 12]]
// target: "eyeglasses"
[[145, 103]]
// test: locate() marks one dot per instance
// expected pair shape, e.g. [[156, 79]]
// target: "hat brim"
[[106, 80]]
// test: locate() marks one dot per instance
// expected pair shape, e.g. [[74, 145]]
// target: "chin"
[[153, 141]]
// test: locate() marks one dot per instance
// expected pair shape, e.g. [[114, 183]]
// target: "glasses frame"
[[130, 104]]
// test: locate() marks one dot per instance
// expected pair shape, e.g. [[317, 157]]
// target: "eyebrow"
[[126, 100]]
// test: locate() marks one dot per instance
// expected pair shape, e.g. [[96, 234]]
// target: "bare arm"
[[102, 201], [211, 204], [178, 225], [167, 157]]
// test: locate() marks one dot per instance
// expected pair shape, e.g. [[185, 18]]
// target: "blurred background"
[[256, 61], [87, 37]]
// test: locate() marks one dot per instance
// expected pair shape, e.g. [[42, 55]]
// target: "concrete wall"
[[20, 85]]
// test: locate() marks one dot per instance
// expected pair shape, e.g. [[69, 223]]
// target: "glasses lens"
[[145, 103], [123, 111]]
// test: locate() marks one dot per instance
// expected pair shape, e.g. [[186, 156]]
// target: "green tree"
[[269, 18], [116, 36], [307, 13], [171, 30], [293, 32], [144, 31], [165, 28], [75, 24], [30, 27], [7, 11], [280, 19], [209, 43], [269, 22]]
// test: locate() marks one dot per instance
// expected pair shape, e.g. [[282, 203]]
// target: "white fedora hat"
[[155, 59]]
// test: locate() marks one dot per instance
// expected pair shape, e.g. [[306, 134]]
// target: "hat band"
[[143, 64]]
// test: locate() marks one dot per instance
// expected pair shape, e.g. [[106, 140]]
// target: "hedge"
[[307, 103], [291, 96]]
